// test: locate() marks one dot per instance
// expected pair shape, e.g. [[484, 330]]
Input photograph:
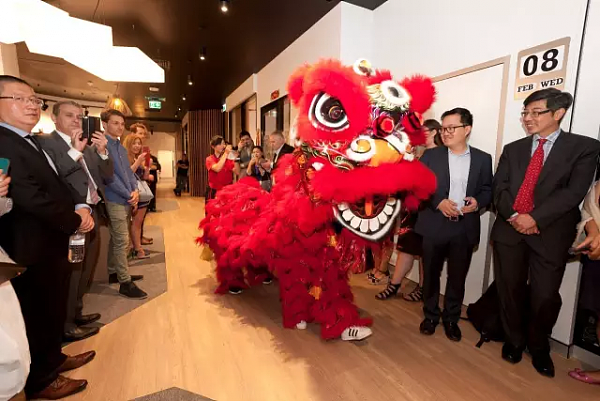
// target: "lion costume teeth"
[[353, 168]]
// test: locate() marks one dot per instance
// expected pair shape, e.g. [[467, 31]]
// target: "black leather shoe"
[[428, 327], [543, 364], [512, 354], [113, 279], [80, 333], [87, 319], [452, 331]]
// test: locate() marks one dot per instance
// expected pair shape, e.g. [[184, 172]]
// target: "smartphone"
[[90, 125], [4, 165], [146, 150], [575, 251]]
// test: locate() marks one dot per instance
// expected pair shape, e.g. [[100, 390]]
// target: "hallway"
[[233, 348]]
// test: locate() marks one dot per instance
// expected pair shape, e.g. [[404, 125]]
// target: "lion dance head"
[[358, 134]]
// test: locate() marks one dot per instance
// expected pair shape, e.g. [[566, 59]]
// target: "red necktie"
[[524, 201]]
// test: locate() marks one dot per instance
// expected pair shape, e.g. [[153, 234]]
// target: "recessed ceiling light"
[[190, 82], [224, 5], [203, 54], [183, 98]]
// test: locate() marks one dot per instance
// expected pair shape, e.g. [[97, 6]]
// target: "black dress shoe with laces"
[[543, 364], [428, 327], [79, 333], [452, 331], [87, 319], [512, 354]]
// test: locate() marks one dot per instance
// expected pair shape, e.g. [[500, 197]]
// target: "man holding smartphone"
[[450, 222], [86, 169], [122, 196]]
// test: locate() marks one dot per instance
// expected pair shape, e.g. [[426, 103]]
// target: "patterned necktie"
[[524, 201], [94, 198]]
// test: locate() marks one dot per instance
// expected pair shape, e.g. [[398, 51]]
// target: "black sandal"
[[415, 296], [373, 279], [390, 291]]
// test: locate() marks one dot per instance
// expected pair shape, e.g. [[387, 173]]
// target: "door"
[[166, 158]]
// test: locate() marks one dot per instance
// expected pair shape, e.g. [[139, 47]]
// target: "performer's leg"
[[229, 277], [335, 309], [294, 287]]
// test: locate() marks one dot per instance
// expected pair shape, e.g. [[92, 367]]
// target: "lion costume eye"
[[328, 112]]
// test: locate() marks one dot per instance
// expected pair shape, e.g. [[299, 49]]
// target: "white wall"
[[356, 34], [242, 92]]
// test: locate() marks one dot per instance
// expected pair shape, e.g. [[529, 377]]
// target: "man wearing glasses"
[[450, 223], [540, 181], [35, 234]]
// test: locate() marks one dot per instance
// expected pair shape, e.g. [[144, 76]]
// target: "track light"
[[224, 5], [203, 54], [190, 82]]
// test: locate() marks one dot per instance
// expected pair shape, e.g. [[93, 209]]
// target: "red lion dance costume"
[[342, 187]]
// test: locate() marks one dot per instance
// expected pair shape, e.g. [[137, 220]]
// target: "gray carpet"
[[105, 299], [173, 394]]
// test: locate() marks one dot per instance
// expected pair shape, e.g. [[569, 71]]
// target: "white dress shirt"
[[459, 166], [76, 156]]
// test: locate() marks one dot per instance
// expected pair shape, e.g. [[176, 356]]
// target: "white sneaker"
[[301, 325], [356, 333]]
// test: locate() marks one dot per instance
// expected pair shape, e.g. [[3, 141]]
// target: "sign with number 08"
[[541, 67]]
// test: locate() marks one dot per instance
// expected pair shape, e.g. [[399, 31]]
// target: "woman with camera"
[[256, 170]]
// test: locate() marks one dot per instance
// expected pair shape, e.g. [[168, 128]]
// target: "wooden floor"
[[234, 348]]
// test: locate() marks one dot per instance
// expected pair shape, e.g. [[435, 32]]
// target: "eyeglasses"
[[36, 101], [451, 130], [534, 113]]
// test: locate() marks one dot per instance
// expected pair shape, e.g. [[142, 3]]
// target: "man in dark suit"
[[35, 234], [85, 169], [280, 148], [539, 184], [450, 222]]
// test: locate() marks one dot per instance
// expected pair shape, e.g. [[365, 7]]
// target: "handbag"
[[145, 192]]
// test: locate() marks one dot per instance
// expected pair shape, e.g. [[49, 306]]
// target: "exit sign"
[[155, 104]]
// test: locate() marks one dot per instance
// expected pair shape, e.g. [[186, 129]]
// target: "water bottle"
[[76, 247]]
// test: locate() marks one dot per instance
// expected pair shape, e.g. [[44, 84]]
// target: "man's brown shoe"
[[77, 361], [60, 388]]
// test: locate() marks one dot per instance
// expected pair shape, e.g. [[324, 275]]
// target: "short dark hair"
[[58, 105], [9, 79], [216, 140], [259, 148], [466, 117], [245, 133], [555, 99], [107, 114]]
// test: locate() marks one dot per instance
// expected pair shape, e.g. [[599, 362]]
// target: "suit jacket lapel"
[[445, 170], [59, 142], [560, 147], [473, 170], [524, 156]]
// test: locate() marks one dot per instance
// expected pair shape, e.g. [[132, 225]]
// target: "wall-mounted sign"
[[275, 95], [155, 104], [543, 66]]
